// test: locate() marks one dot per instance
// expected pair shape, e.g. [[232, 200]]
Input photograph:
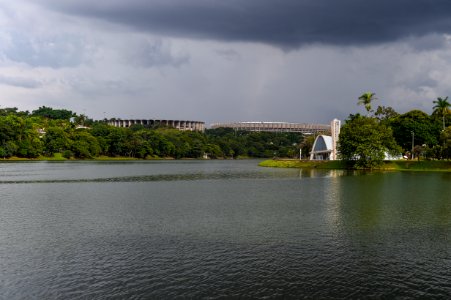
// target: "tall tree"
[[425, 128], [55, 114], [441, 107], [364, 142], [56, 139], [445, 137], [385, 114], [365, 99]]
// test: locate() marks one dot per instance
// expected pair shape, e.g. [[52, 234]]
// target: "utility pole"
[[413, 142]]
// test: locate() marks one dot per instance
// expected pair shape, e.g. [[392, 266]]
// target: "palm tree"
[[442, 107], [366, 99]]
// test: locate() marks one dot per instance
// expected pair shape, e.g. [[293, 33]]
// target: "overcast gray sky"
[[224, 60]]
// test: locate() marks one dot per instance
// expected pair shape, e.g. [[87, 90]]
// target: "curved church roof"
[[323, 143]]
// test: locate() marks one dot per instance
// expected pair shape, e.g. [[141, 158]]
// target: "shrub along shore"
[[60, 157], [397, 165]]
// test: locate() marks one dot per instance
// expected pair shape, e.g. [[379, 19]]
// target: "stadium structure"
[[304, 128], [177, 124]]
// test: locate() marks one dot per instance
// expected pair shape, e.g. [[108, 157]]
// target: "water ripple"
[[159, 177], [206, 235]]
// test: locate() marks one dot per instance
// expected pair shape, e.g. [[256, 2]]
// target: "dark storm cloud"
[[150, 54], [55, 52], [287, 23]]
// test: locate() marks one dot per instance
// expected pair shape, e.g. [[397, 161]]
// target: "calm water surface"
[[221, 229]]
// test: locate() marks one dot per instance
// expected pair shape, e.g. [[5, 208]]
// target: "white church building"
[[325, 146]]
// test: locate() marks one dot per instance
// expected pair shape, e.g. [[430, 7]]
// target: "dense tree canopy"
[[255, 144], [56, 114], [365, 141], [424, 128], [385, 114]]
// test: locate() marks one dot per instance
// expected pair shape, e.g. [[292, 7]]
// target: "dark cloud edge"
[[291, 25]]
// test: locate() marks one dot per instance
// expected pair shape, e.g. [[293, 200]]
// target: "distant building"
[[177, 124], [325, 146], [41, 132], [275, 127]]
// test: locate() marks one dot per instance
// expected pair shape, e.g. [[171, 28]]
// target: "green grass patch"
[[114, 158], [285, 163], [399, 165], [15, 158], [432, 165], [56, 156]]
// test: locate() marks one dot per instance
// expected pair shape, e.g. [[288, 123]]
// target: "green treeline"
[[365, 141], [47, 131]]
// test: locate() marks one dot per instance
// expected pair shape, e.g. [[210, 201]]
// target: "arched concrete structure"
[[325, 146], [322, 148]]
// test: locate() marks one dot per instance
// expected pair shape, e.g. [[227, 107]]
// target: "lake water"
[[221, 229]]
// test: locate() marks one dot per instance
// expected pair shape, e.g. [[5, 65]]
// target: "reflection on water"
[[396, 200], [221, 229], [314, 173]]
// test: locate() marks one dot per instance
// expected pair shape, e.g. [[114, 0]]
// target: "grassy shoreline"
[[59, 157], [398, 165]]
